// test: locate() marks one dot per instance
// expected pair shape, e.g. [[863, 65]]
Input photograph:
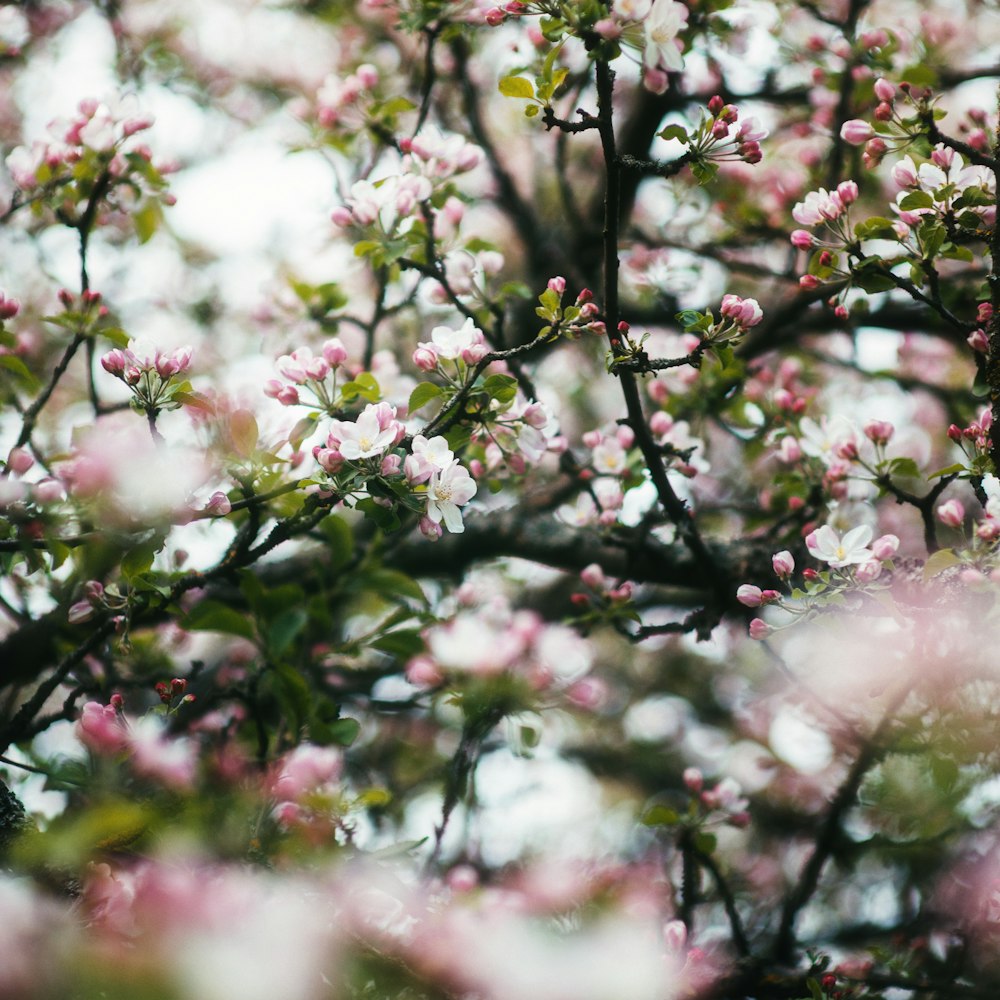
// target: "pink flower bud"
[[951, 513], [783, 564], [868, 571], [883, 113], [847, 191], [425, 358], [809, 282], [8, 307], [593, 576], [694, 780], [750, 596], [759, 629], [716, 104], [885, 547], [422, 671], [19, 460], [802, 239], [557, 285], [856, 132], [879, 431], [978, 341], [884, 90]]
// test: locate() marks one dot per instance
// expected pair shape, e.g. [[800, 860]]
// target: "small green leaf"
[[422, 394], [938, 562], [139, 560], [660, 815], [147, 220], [516, 86], [875, 228], [344, 731], [502, 388], [674, 132], [705, 842], [915, 200], [949, 470]]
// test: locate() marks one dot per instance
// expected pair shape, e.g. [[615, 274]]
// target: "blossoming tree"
[[564, 565]]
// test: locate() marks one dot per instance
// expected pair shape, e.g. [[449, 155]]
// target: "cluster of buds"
[[389, 202], [304, 369], [893, 129], [824, 207], [173, 695], [336, 96], [974, 439], [464, 346], [95, 127], [604, 593], [568, 321], [724, 802], [437, 156], [978, 339], [96, 597], [721, 135], [497, 15], [152, 378]]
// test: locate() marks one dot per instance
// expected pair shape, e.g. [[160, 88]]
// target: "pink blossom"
[[783, 564], [759, 629], [447, 491], [100, 728], [749, 595], [827, 545], [306, 769], [856, 132], [884, 90], [885, 547], [951, 513]]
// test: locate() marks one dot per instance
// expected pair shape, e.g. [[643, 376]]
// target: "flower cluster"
[[151, 376], [93, 152], [305, 370], [854, 560]]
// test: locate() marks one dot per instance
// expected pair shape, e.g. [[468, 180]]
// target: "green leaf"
[[704, 172], [938, 562], [660, 815], [214, 616], [293, 694], [872, 282], [340, 540], [344, 731], [674, 132], [391, 583], [949, 470], [116, 335], [139, 560], [16, 366], [403, 643], [875, 228], [284, 629], [915, 200], [705, 842], [905, 467], [516, 86], [147, 220], [502, 388], [422, 394]]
